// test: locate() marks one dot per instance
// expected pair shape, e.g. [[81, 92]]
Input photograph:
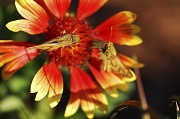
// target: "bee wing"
[[55, 43], [64, 38], [114, 64], [45, 46], [59, 39], [123, 70], [108, 64]]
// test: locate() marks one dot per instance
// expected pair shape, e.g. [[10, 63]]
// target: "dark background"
[[159, 51]]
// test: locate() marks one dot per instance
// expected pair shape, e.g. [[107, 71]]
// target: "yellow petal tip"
[[134, 40], [132, 16], [133, 78], [12, 26], [112, 92], [53, 104], [54, 100]]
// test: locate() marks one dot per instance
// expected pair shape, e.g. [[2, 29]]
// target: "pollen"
[[74, 54]]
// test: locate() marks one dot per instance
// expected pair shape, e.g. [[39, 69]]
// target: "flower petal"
[[129, 62], [18, 62], [133, 78], [10, 56], [24, 25], [88, 7], [48, 78], [118, 29], [73, 105], [13, 44], [33, 12], [56, 87], [131, 41], [108, 81], [83, 88], [117, 20], [58, 7], [15, 55], [87, 106]]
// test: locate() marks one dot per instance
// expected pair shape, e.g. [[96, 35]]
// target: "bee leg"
[[61, 51], [72, 50]]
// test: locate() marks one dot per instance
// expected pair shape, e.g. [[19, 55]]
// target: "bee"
[[111, 62], [58, 42]]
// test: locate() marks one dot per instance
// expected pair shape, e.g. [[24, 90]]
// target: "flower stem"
[[143, 101]]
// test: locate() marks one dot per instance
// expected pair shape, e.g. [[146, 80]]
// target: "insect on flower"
[[111, 62], [59, 42]]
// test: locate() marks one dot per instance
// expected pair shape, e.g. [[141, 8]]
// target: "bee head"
[[106, 46], [74, 38]]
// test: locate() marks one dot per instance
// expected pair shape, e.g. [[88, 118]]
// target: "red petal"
[[33, 12], [58, 7], [43, 5], [88, 7], [117, 20], [15, 55], [89, 93], [15, 60], [129, 62], [117, 29], [12, 44], [13, 50], [10, 56], [48, 78], [74, 102]]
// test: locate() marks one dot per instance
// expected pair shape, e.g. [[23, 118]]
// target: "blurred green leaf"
[[3, 90], [18, 84], [43, 110], [10, 103]]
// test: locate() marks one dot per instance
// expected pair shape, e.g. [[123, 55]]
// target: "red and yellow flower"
[[51, 17]]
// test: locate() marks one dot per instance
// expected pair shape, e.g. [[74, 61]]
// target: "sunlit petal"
[[118, 29], [133, 78], [87, 106], [33, 12], [88, 7], [84, 89], [48, 78], [56, 85], [131, 41], [72, 105], [129, 62], [58, 7], [24, 25], [117, 20], [43, 90]]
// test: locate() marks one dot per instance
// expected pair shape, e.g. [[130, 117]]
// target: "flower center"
[[70, 52]]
